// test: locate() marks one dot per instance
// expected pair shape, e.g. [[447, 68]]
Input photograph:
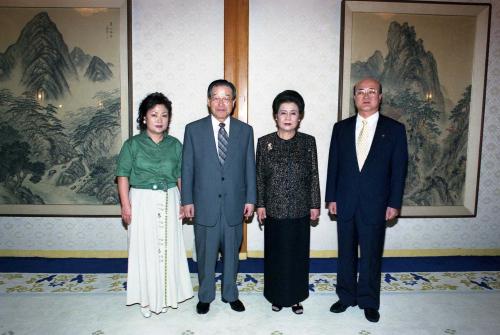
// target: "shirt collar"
[[215, 122], [372, 119], [145, 135]]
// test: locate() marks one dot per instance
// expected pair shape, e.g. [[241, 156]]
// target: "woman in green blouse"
[[148, 176]]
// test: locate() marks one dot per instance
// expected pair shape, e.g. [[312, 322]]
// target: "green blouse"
[[148, 164]]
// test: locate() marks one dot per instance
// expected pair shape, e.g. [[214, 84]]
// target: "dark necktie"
[[222, 140]]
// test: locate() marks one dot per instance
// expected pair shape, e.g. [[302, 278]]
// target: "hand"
[[189, 212], [332, 208], [181, 213], [261, 215], [391, 213], [248, 211], [127, 214], [314, 214]]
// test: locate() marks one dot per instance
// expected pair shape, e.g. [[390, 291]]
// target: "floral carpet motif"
[[250, 282]]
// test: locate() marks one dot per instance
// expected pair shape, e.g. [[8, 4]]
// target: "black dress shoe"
[[372, 314], [236, 305], [338, 307], [202, 307]]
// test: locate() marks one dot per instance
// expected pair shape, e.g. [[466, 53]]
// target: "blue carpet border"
[[251, 265]]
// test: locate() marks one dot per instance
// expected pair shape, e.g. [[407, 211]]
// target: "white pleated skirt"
[[158, 273]]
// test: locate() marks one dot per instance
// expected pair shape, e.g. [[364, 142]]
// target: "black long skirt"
[[286, 260]]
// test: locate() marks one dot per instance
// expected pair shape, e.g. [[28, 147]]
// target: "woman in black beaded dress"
[[288, 198]]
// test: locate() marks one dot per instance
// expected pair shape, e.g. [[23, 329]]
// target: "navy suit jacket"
[[380, 184], [213, 187]]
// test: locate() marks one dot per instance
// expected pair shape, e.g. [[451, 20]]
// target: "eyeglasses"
[[371, 92], [224, 100]]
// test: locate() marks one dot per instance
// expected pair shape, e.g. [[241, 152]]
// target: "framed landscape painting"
[[64, 105], [431, 60]]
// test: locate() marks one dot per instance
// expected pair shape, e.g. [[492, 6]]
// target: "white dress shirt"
[[216, 127], [372, 126]]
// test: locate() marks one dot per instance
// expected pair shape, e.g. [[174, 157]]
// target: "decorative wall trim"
[[249, 254], [402, 253]]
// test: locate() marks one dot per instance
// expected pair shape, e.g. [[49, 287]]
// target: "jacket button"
[[220, 196]]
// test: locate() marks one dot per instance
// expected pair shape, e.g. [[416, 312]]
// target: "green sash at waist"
[[160, 186]]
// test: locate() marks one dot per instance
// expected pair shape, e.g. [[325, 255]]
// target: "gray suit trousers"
[[209, 241]]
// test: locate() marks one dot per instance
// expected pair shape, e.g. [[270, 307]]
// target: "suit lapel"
[[210, 140], [234, 135], [351, 131], [377, 138]]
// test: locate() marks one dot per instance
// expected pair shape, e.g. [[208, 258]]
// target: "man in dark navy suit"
[[365, 182]]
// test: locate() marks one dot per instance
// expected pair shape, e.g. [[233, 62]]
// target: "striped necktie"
[[362, 145], [222, 141]]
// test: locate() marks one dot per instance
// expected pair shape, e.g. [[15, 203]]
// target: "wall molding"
[[249, 254]]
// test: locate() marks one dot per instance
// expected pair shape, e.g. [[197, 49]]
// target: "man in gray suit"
[[218, 188]]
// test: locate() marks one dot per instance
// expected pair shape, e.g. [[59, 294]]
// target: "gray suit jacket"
[[207, 184]]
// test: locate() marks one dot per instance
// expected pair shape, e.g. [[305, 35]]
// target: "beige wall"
[[295, 45]]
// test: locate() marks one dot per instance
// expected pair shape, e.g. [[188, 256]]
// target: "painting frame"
[[480, 13], [124, 109]]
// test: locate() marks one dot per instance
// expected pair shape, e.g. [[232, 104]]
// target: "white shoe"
[[145, 312], [164, 310]]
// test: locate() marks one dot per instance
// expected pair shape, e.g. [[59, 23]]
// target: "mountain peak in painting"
[[408, 65], [44, 59], [47, 67], [373, 67], [79, 58], [98, 70]]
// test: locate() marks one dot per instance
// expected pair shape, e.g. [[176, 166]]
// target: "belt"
[[161, 186]]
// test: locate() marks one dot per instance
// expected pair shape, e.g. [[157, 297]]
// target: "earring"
[[144, 121]]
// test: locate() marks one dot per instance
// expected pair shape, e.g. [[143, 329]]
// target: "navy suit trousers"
[[365, 290]]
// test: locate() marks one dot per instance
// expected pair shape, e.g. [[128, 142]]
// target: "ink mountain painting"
[[436, 115], [60, 109]]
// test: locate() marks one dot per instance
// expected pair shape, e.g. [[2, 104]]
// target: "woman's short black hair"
[[289, 96], [149, 102]]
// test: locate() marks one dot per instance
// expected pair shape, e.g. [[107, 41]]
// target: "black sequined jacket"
[[287, 175]]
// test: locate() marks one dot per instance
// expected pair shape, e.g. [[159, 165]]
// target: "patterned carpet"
[[252, 282], [426, 303]]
